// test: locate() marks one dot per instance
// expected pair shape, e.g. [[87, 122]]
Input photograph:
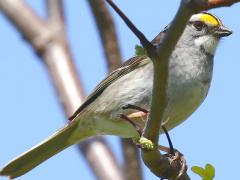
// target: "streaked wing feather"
[[126, 67]]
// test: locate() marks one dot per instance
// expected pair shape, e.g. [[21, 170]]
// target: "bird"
[[190, 72]]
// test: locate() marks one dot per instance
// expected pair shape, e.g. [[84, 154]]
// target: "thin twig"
[[144, 41], [99, 163]]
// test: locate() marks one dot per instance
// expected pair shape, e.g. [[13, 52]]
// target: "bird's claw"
[[176, 158]]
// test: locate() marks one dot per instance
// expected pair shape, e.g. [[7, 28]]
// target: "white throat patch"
[[209, 43]]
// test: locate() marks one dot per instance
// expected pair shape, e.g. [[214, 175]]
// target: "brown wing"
[[126, 67]]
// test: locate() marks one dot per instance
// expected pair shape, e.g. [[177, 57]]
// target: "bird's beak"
[[223, 31]]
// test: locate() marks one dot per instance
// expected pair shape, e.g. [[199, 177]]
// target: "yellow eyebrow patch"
[[209, 19]]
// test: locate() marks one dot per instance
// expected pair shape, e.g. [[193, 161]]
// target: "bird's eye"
[[198, 25]]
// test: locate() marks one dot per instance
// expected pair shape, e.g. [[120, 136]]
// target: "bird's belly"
[[183, 100]]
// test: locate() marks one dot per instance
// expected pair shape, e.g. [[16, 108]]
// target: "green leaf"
[[210, 171], [139, 50], [198, 170], [207, 174], [206, 178]]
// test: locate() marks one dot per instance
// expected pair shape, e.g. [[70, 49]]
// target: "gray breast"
[[189, 81]]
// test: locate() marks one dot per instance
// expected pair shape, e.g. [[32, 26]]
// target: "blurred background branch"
[[108, 35], [107, 32], [49, 40]]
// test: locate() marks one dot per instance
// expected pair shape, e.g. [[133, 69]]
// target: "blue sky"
[[30, 110]]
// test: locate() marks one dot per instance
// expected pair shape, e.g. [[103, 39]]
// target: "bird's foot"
[[174, 155], [175, 159]]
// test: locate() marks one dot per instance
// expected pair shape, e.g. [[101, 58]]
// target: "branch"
[[144, 41], [160, 61], [132, 163], [30, 25], [160, 165], [204, 5], [99, 163], [96, 149], [59, 60], [220, 3], [56, 12], [49, 40], [107, 32]]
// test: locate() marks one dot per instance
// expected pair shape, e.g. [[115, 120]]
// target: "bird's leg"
[[175, 159], [130, 106], [141, 112], [143, 143], [169, 150], [125, 117], [174, 155]]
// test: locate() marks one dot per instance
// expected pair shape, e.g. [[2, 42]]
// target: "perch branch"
[[157, 163]]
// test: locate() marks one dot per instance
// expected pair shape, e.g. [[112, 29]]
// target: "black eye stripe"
[[199, 25]]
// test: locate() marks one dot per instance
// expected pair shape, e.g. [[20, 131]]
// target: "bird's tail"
[[41, 152]]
